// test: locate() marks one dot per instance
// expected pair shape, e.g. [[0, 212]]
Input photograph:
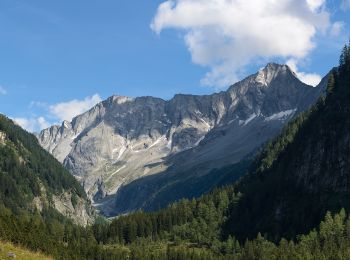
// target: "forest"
[[285, 207]]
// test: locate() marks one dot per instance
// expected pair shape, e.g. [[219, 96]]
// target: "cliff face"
[[131, 153]]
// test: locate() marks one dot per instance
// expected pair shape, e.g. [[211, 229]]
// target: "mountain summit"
[[145, 152]]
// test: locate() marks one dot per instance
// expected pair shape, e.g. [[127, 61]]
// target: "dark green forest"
[[291, 204]]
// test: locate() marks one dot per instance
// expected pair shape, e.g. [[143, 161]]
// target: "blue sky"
[[58, 58]]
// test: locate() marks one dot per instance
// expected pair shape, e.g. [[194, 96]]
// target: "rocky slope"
[[132, 153], [32, 180]]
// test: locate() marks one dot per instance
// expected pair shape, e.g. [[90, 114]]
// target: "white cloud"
[[226, 35], [311, 79], [315, 4], [2, 91], [337, 28], [56, 113], [68, 110], [345, 5], [32, 124]]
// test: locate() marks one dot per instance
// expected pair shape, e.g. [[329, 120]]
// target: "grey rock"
[[127, 151], [11, 255]]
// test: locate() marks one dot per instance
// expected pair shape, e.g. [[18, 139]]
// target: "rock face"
[[132, 153]]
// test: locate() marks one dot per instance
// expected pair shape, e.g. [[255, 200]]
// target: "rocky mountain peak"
[[123, 139], [119, 99], [272, 71]]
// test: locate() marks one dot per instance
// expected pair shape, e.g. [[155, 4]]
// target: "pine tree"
[[331, 83]]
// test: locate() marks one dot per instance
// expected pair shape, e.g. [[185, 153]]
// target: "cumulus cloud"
[[68, 110], [32, 124], [56, 113], [226, 35], [345, 5], [311, 79], [2, 91], [337, 28], [315, 4]]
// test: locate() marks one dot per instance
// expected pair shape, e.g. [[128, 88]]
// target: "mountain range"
[[284, 198], [146, 152]]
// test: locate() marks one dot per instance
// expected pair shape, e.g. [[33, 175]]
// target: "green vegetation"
[[27, 171], [21, 253], [299, 182], [301, 174], [330, 241]]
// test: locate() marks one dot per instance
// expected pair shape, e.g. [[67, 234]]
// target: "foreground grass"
[[21, 253]]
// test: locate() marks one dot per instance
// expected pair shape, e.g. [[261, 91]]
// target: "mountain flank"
[[141, 153]]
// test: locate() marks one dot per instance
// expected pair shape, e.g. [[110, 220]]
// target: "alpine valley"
[[260, 171], [144, 153]]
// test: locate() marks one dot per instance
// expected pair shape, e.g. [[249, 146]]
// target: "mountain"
[[132, 153], [297, 188], [32, 180], [305, 172]]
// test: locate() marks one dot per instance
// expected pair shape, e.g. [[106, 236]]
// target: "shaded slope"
[[303, 173], [124, 151]]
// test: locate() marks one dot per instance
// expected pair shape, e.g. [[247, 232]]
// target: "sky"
[[60, 58]]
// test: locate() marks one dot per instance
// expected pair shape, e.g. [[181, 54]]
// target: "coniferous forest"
[[293, 202]]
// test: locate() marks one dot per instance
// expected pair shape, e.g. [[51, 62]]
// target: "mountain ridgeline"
[[291, 204], [299, 179], [305, 171], [144, 153]]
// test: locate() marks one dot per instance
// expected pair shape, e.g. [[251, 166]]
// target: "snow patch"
[[205, 122], [121, 152], [156, 142], [281, 115], [110, 176], [200, 140], [248, 120]]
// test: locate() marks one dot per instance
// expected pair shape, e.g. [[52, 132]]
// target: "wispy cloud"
[[56, 113], [337, 28], [32, 124], [345, 5], [226, 36], [3, 91]]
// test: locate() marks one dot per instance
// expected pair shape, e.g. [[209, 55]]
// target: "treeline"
[[26, 170], [303, 173], [284, 194], [196, 221]]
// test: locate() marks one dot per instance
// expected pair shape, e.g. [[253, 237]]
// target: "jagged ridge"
[[124, 139]]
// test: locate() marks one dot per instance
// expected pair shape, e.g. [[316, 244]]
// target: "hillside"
[[42, 206], [146, 152], [7, 249], [292, 204], [291, 190], [31, 179], [303, 173]]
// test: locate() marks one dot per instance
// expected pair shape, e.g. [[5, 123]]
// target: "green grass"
[[21, 253]]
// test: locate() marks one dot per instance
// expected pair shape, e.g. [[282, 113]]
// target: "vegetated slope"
[[131, 153], [300, 176], [40, 201], [8, 250], [204, 228], [190, 241], [31, 179], [304, 172]]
